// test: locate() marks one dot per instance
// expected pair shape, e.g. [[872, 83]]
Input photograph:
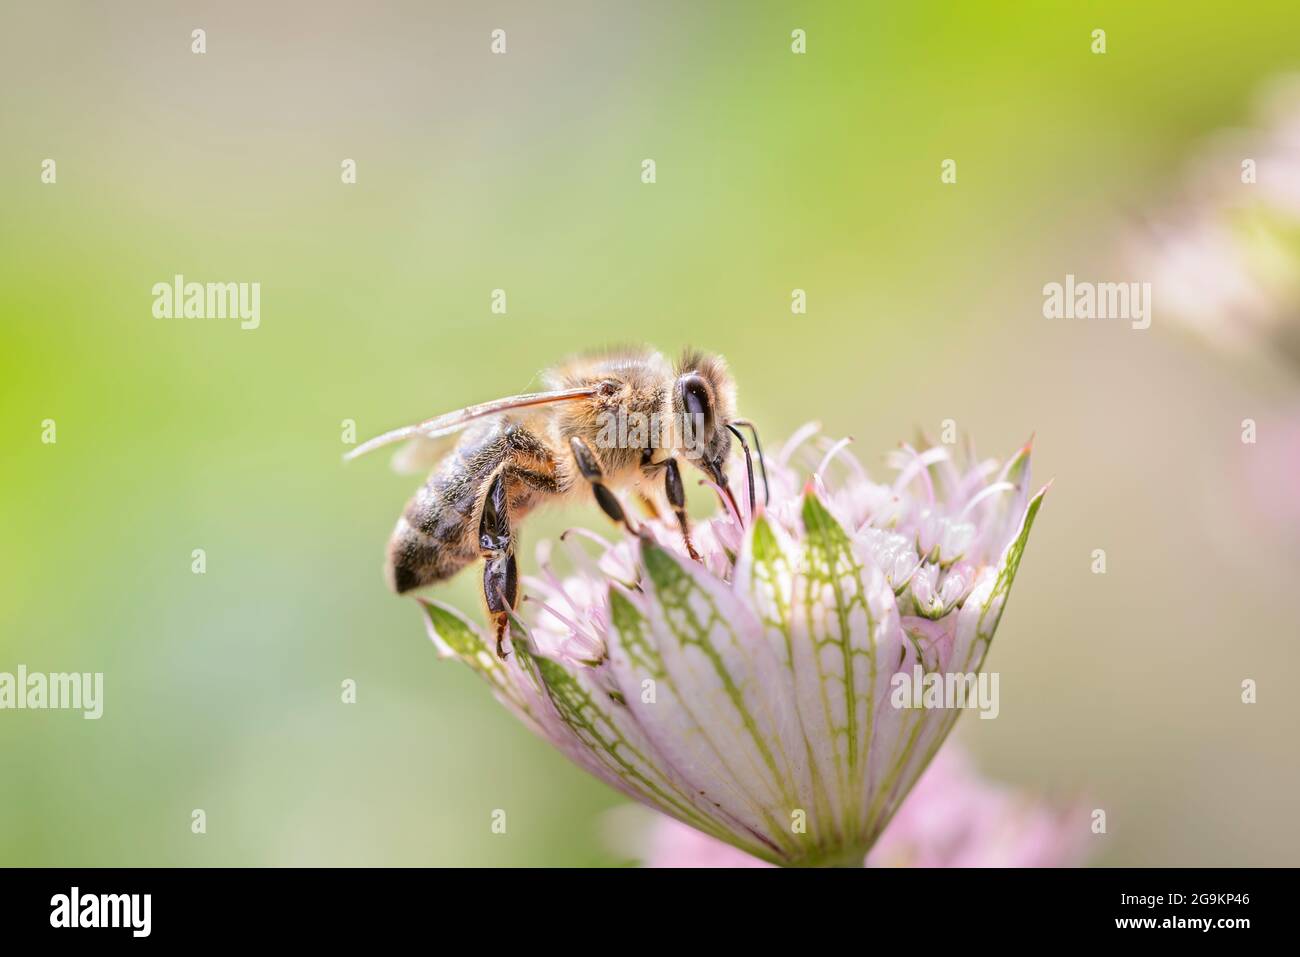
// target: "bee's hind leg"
[[497, 546], [589, 465], [500, 587]]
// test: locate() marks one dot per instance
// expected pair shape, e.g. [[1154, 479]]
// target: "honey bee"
[[620, 420]]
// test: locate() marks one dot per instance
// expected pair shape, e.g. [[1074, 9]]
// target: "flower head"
[[1224, 256], [952, 818], [749, 694]]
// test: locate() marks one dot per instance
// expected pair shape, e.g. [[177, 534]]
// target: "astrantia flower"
[[749, 694], [952, 818], [1224, 257]]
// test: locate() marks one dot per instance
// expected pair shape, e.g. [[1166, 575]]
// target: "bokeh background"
[[522, 172]]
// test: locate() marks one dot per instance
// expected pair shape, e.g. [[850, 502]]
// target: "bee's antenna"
[[762, 463], [749, 468]]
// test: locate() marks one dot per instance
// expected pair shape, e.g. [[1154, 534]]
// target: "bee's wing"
[[421, 454], [445, 425]]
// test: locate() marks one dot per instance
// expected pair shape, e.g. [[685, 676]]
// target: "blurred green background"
[[522, 172]]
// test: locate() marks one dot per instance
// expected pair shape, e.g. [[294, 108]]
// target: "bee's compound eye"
[[696, 400], [608, 388]]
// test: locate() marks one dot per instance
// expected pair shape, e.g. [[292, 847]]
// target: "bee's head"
[[704, 399]]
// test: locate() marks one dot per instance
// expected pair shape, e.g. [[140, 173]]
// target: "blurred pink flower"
[[1223, 258], [952, 818], [749, 694]]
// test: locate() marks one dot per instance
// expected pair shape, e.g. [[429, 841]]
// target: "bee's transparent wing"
[[421, 454], [442, 426]]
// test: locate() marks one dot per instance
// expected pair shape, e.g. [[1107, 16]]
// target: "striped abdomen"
[[437, 534]]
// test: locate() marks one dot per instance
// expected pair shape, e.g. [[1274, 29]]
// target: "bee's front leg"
[[497, 546], [677, 499], [590, 468]]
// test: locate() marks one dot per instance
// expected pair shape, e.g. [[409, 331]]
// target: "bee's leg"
[[501, 587], [648, 468], [648, 505], [590, 468], [497, 546], [677, 499]]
